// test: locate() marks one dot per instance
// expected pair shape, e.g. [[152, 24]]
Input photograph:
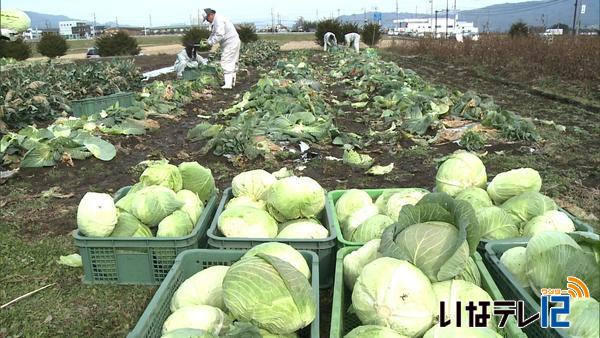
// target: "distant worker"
[[459, 37], [13, 22], [224, 32], [353, 40], [329, 41], [188, 58]]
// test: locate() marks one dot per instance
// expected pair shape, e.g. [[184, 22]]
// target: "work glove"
[[204, 44]]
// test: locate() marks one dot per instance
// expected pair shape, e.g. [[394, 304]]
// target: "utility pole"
[[435, 27], [416, 11], [575, 16], [431, 15], [397, 16], [446, 19], [272, 21], [339, 11], [365, 12], [94, 25], [317, 15], [117, 22]]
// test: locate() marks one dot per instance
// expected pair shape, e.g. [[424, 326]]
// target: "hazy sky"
[[163, 12]]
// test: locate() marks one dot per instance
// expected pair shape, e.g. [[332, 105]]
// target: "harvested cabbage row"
[[267, 207], [166, 202], [233, 301]]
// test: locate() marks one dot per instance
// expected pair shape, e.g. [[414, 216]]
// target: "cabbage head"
[[129, 226], [269, 293], [358, 217], [201, 317], [552, 220], [407, 196], [526, 206], [372, 228], [254, 184], [396, 294], [188, 333], [357, 160], [121, 193], [584, 318], [552, 256], [373, 331], [247, 222], [513, 183], [514, 259], [14, 19], [349, 202], [192, 205], [470, 273], [152, 204], [178, 224], [303, 228], [453, 291], [164, 174], [245, 201], [460, 171], [355, 261], [284, 252], [202, 288], [462, 332], [437, 235], [295, 197], [96, 215], [476, 197], [198, 179], [496, 224]]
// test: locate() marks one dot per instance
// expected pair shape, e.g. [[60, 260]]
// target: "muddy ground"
[[35, 228]]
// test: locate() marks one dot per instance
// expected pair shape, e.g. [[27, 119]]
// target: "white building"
[[65, 28], [439, 27]]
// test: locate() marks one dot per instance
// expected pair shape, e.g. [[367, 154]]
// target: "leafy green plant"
[[247, 32], [371, 33], [52, 45], [518, 29], [194, 36], [18, 50], [472, 140], [118, 44]]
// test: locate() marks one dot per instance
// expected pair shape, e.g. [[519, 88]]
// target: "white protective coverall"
[[184, 61], [353, 39], [224, 32], [329, 40]]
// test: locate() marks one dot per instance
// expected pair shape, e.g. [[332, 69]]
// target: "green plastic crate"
[[343, 322], [192, 261], [143, 261], [325, 248], [94, 105], [510, 287]]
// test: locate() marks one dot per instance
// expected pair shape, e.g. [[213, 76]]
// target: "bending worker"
[[188, 58], [353, 39], [329, 41], [224, 32]]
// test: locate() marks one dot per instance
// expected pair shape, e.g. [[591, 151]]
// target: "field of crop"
[[395, 112]]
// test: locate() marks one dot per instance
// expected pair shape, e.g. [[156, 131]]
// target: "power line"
[[514, 11]]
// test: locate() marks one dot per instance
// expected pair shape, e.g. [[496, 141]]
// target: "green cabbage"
[[152, 204], [14, 19], [552, 220], [202, 288], [470, 273], [295, 197], [357, 160], [198, 179], [269, 293], [192, 205], [584, 318], [129, 226], [202, 317], [373, 331], [408, 196], [476, 197], [460, 171], [254, 184], [247, 222], [303, 228], [349, 202], [514, 259], [96, 215], [358, 217], [178, 224], [396, 294], [284, 252], [355, 261], [513, 183], [454, 291], [245, 201], [372, 228], [496, 224], [166, 175], [528, 205]]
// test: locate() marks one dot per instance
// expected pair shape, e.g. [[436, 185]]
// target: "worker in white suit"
[[329, 41], [353, 40], [224, 32], [188, 58]]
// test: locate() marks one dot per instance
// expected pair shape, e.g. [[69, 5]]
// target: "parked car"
[[92, 53]]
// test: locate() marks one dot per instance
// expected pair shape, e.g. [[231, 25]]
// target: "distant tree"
[[247, 32], [371, 33], [518, 28], [566, 29], [330, 25], [118, 44], [18, 49], [194, 35], [52, 45]]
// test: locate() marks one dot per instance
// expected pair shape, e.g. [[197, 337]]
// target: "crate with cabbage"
[[424, 257], [267, 291], [166, 202], [546, 261]]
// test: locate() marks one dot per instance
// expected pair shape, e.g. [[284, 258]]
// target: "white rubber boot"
[[228, 81], [234, 78]]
